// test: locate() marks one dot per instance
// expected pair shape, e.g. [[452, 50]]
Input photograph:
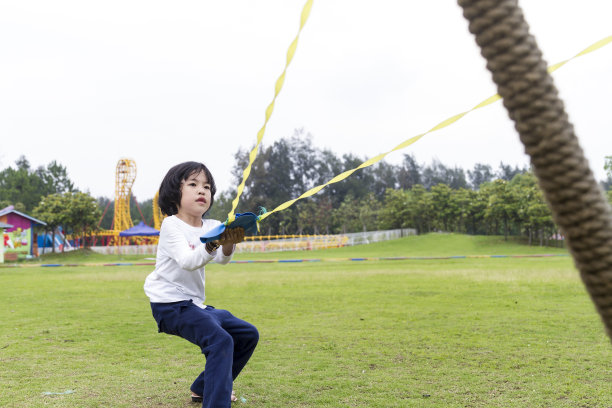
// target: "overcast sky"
[[89, 82]]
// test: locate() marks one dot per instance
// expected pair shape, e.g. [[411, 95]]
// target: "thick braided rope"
[[578, 205]]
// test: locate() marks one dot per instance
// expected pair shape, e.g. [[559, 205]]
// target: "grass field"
[[477, 332], [422, 245]]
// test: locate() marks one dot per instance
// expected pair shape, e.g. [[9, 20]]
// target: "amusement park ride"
[[125, 175]]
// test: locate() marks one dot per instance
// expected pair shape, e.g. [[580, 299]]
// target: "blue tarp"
[[139, 230]]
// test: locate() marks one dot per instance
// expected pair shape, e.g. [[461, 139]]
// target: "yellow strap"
[[413, 139], [277, 88], [588, 49]]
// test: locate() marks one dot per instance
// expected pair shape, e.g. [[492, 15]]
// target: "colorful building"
[[3, 226], [19, 238]]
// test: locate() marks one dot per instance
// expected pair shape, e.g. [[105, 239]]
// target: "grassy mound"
[[419, 245]]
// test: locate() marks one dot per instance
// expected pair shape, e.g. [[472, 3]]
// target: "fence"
[[277, 243], [312, 242], [126, 249]]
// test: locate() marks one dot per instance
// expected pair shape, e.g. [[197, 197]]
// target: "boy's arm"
[[178, 248], [228, 241]]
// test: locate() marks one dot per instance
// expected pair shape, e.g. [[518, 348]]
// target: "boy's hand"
[[232, 236]]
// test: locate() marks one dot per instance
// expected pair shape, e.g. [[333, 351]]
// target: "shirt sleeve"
[[221, 258], [178, 248]]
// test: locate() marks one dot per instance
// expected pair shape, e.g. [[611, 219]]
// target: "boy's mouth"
[[201, 200]]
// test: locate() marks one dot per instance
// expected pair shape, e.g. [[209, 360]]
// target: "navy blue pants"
[[226, 341]]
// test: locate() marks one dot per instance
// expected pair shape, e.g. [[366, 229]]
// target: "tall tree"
[[507, 172], [346, 215], [433, 174], [464, 212], [21, 185], [444, 206], [385, 176], [52, 210], [323, 215], [502, 204], [422, 211], [328, 166], [396, 211], [367, 212], [83, 213], [409, 173], [280, 172], [438, 173], [27, 186], [358, 184], [306, 210], [455, 178], [482, 173], [303, 159], [475, 221], [532, 213], [55, 178]]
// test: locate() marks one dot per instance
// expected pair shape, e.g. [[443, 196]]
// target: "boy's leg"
[[245, 337], [198, 385], [202, 327]]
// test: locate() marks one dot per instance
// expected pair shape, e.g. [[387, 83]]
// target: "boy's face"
[[195, 195]]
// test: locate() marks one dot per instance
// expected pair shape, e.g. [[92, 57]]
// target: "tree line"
[[428, 197], [435, 197], [24, 187], [48, 194]]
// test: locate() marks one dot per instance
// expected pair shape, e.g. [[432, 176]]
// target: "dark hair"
[[170, 188]]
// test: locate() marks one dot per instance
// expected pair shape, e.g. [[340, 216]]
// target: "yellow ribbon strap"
[[277, 88], [441, 125], [590, 48]]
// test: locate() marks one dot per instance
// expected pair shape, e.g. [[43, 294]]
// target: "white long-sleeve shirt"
[[180, 264]]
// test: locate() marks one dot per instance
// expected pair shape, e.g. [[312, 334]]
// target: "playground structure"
[[48, 242]]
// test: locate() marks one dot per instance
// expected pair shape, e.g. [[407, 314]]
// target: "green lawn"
[[86, 256], [412, 246], [478, 332]]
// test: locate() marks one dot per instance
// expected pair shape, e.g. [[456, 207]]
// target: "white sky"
[[89, 82]]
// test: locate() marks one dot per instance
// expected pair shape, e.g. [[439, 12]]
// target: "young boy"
[[176, 286]]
